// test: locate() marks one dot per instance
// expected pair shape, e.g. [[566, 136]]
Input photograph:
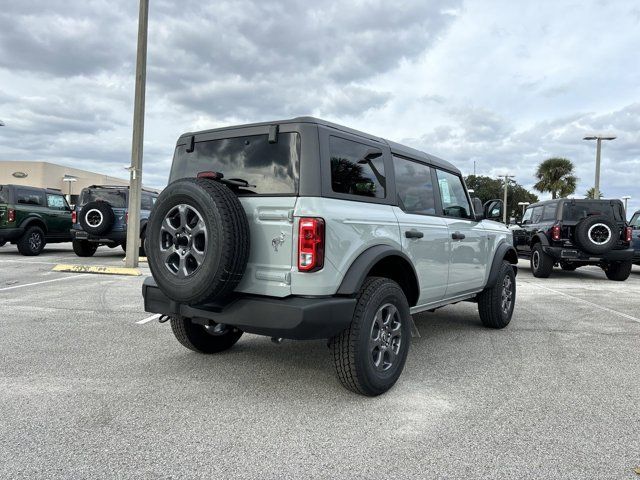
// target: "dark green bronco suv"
[[31, 217]]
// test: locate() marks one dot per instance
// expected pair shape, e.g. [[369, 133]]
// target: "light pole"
[[626, 198], [524, 205], [135, 180], [69, 179], [598, 138], [506, 184]]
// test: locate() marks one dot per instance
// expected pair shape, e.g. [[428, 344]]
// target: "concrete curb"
[[97, 269]]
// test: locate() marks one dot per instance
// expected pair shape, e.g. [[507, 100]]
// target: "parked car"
[[572, 233], [635, 240], [101, 215], [31, 217], [303, 229]]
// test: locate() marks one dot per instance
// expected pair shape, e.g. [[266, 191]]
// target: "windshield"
[[269, 168], [576, 211], [115, 198], [4, 194]]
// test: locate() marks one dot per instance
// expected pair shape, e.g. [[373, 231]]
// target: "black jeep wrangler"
[[573, 233]]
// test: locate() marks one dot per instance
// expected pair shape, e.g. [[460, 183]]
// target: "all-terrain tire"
[[586, 234], [226, 249], [353, 357], [541, 263], [203, 339], [142, 250], [496, 303], [84, 248], [31, 242], [618, 271], [97, 218]]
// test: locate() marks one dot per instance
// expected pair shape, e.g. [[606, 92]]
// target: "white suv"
[[303, 229]]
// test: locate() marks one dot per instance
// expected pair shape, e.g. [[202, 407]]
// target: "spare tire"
[[197, 241], [597, 234], [97, 218]]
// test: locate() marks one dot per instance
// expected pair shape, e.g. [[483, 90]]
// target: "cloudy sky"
[[503, 83]]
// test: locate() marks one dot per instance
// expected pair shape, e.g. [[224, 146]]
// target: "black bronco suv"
[[31, 217], [100, 218], [573, 233]]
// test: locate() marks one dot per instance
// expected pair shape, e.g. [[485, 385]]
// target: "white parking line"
[[148, 319], [40, 283], [595, 305]]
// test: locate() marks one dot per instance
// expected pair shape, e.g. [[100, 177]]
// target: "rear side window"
[[452, 193], [115, 198], [29, 197], [576, 211], [351, 173], [4, 194], [414, 186], [536, 214], [268, 168], [549, 212], [57, 202]]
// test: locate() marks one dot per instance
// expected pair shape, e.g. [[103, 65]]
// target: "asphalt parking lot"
[[89, 389]]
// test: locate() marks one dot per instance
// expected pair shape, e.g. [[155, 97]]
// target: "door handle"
[[413, 234], [457, 236]]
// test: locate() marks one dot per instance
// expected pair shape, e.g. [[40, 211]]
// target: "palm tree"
[[591, 193], [555, 175]]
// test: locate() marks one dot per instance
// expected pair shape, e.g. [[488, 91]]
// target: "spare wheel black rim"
[[599, 233], [35, 241], [94, 218], [507, 294], [183, 240], [385, 338]]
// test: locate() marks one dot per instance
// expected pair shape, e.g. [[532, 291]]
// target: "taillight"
[[556, 232], [126, 217], [74, 217], [310, 244], [11, 215], [628, 231]]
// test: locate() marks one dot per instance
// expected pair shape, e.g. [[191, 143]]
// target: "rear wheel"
[[204, 339], [618, 271], [541, 263], [496, 304], [369, 356], [32, 242], [84, 248]]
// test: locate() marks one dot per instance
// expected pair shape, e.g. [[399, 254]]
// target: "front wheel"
[[369, 356], [496, 303], [84, 248], [618, 271], [32, 242], [204, 338]]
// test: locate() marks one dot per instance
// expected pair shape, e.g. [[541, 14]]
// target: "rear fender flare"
[[34, 220]]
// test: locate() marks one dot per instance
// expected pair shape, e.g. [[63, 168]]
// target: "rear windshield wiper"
[[231, 182]]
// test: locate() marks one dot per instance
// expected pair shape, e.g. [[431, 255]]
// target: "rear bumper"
[[10, 234], [299, 318], [111, 237], [571, 254]]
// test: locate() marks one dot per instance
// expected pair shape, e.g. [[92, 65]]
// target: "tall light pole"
[[506, 184], [135, 179], [625, 198], [598, 138]]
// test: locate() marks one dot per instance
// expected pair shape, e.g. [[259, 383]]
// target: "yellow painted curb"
[[97, 269], [140, 259]]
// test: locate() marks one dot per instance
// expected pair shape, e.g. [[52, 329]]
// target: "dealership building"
[[68, 180]]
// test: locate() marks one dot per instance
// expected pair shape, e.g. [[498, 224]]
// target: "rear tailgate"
[[272, 251]]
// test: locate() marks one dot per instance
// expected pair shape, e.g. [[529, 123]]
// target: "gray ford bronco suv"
[[303, 229]]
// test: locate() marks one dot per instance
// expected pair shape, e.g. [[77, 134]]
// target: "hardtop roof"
[[396, 148], [574, 200]]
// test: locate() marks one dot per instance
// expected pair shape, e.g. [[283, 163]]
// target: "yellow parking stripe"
[[97, 269]]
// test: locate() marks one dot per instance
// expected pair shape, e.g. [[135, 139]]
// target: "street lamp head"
[[626, 197], [599, 137]]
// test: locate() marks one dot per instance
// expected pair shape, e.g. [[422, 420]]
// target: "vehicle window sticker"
[[444, 189]]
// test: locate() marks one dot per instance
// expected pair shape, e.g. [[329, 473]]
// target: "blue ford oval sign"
[[19, 174]]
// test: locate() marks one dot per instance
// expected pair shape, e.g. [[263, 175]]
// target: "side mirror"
[[493, 210], [477, 208]]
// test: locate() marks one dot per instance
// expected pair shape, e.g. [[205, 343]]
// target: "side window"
[[146, 202], [29, 197], [526, 218], [351, 173], [550, 212], [536, 214], [56, 201], [414, 186], [454, 199]]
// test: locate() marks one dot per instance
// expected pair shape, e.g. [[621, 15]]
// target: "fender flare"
[[540, 237], [362, 265], [504, 251], [27, 222]]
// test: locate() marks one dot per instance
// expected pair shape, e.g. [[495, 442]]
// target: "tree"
[[487, 188], [591, 193], [555, 175]]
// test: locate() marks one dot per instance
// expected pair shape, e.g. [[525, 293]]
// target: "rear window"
[[4, 194], [115, 198], [269, 168], [576, 211]]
